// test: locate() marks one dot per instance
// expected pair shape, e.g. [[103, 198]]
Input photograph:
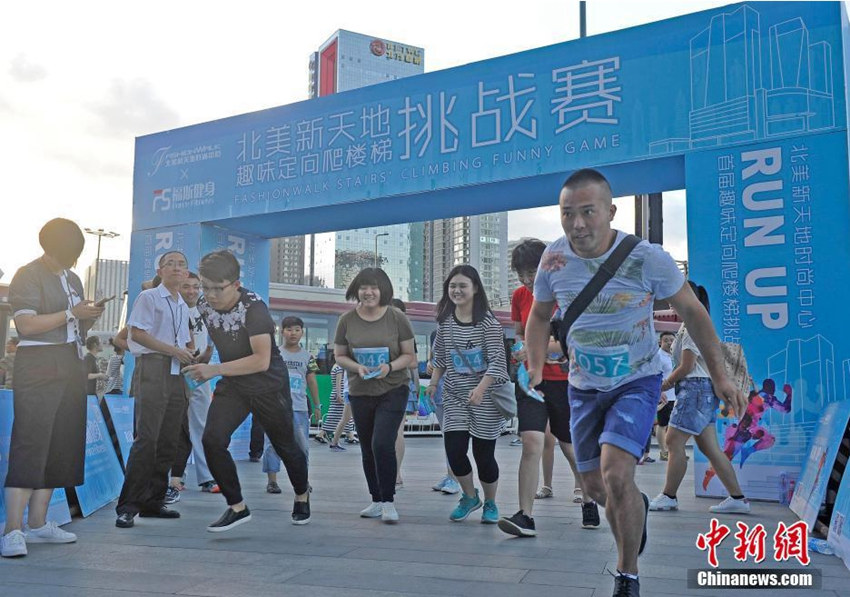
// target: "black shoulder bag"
[[597, 283]]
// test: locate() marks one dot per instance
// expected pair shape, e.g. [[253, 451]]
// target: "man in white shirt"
[[668, 397], [161, 341]]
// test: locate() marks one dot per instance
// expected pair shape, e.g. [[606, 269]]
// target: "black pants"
[[483, 450], [273, 410], [160, 404], [258, 439], [377, 419], [184, 447]]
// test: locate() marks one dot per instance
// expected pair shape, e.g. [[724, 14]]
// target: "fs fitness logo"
[[184, 196]]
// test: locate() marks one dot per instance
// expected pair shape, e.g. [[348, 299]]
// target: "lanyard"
[[175, 323]]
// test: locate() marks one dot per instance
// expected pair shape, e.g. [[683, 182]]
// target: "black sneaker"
[[519, 525], [230, 519], [625, 586], [589, 515], [172, 495], [301, 512], [645, 520]]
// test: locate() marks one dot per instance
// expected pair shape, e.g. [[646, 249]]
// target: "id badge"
[[609, 362], [475, 356], [372, 358]]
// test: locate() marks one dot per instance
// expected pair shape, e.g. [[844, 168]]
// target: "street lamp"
[[376, 245], [99, 233]]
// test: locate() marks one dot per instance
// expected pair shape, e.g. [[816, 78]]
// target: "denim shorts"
[[622, 417], [696, 405]]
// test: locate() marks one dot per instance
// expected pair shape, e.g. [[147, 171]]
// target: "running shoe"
[[373, 510], [451, 487], [543, 493], [388, 513], [466, 506], [625, 586], [519, 525], [491, 513], [732, 506], [172, 495], [438, 486], [589, 515], [661, 503], [336, 448], [210, 487]]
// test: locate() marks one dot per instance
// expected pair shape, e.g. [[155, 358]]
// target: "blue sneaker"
[[466, 506], [491, 513], [451, 487], [438, 486]]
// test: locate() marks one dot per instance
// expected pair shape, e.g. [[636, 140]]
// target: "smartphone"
[[103, 301]]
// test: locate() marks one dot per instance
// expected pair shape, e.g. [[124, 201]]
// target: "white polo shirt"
[[163, 317]]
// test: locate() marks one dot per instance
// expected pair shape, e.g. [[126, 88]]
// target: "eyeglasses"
[[211, 290]]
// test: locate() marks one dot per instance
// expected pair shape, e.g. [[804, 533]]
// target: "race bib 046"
[[372, 357], [610, 362]]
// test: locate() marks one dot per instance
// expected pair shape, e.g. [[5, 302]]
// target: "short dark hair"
[[290, 321], [586, 176], [666, 333], [399, 304], [702, 295], [167, 253], [526, 255], [192, 276], [62, 240], [371, 276], [219, 266], [92, 341], [480, 305]]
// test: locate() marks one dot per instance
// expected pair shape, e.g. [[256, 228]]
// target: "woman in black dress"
[[49, 429]]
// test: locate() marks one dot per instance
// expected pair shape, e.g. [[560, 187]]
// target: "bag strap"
[[457, 350], [605, 272]]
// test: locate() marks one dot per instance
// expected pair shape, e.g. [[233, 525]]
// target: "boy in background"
[[302, 370]]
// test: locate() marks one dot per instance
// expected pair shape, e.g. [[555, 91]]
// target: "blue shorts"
[[622, 417], [696, 405]]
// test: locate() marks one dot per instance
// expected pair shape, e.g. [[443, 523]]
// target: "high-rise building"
[[112, 279], [481, 241], [348, 61], [286, 263]]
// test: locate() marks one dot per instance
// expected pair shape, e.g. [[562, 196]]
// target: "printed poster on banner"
[[121, 409], [104, 476], [761, 232], [839, 526], [57, 511], [811, 488]]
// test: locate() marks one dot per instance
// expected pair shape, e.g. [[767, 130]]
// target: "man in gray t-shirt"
[[614, 369]]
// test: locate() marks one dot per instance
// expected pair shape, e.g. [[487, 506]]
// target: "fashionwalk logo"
[[789, 542]]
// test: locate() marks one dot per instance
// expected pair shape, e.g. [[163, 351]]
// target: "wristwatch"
[[69, 316]]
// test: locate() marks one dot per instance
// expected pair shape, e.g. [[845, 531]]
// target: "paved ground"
[[340, 553]]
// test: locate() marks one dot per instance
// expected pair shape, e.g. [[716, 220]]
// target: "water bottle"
[[820, 546]]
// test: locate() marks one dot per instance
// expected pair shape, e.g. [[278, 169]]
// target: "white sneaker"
[[442, 483], [49, 533], [661, 502], [13, 544], [388, 513], [373, 510], [732, 506]]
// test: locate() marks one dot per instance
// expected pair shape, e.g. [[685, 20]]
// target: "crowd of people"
[[596, 380]]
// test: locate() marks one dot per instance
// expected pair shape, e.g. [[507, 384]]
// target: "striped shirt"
[[114, 380], [466, 352]]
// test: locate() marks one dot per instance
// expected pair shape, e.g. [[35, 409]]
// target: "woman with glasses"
[[49, 430]]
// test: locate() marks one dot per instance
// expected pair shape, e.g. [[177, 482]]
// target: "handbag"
[[503, 395], [605, 272]]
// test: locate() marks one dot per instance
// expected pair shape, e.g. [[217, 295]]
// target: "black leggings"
[[483, 450], [377, 419]]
